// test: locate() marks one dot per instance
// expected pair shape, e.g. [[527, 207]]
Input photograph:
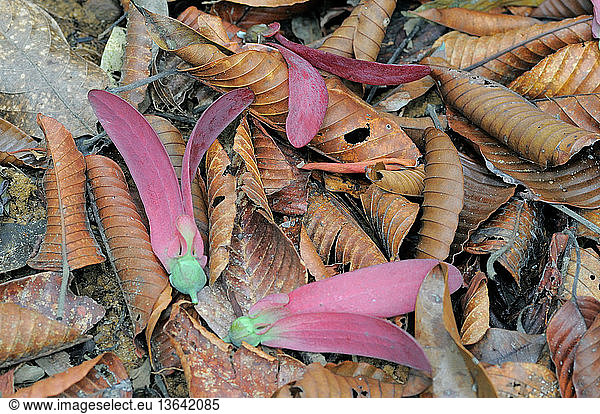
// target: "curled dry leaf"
[[569, 71], [476, 308], [142, 277], [563, 8], [463, 50], [455, 372], [442, 196], [213, 369], [401, 95], [211, 27], [564, 332], [588, 279], [523, 380], [320, 382], [391, 215], [516, 224], [360, 34], [27, 334], [511, 119], [579, 110], [586, 368], [484, 194], [104, 376], [13, 145], [65, 194], [333, 230], [476, 22], [500, 345], [138, 55], [406, 181], [39, 72], [40, 292], [311, 258]]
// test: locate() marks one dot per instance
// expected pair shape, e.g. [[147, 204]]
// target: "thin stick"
[[109, 28], [143, 82], [590, 225]]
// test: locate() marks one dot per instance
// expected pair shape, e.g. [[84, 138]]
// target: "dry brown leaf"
[[477, 23], [442, 196], [523, 380], [476, 310], [484, 194], [40, 292], [586, 368], [500, 345], [455, 372], [39, 72], [7, 383], [579, 110], [402, 94], [574, 69], [408, 182], [391, 215], [211, 27], [27, 334], [415, 127], [588, 279], [321, 382], [463, 50], [563, 8], [571, 183], [213, 369], [104, 376], [360, 34], [142, 277], [516, 224], [247, 17], [511, 119], [564, 331], [138, 55], [311, 258], [65, 194], [14, 144], [335, 232]]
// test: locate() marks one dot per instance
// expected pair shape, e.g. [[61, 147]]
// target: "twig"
[[143, 82], [430, 110], [109, 28], [590, 225]]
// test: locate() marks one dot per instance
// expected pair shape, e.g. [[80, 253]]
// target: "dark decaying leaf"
[[476, 309], [515, 224], [588, 278], [586, 368], [320, 382], [570, 183], [462, 50], [65, 195], [391, 215], [579, 110], [569, 71], [477, 23], [360, 34], [523, 380], [40, 292], [142, 277], [563, 8], [455, 372], [101, 377], [14, 144], [27, 334], [484, 194], [589, 308], [500, 345], [511, 119], [564, 332], [336, 234], [213, 369], [39, 72], [442, 196]]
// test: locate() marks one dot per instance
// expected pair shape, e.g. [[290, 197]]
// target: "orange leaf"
[[13, 145], [523, 380]]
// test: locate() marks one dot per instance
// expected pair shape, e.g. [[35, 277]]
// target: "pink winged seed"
[[308, 99], [348, 334], [149, 166], [370, 73], [383, 290]]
